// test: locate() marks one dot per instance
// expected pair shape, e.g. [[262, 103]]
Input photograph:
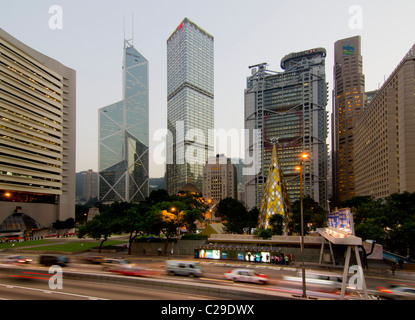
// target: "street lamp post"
[[304, 156]]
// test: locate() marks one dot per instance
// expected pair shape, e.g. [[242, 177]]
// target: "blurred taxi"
[[246, 275]]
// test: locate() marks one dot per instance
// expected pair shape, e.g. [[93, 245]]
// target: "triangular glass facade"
[[123, 136]]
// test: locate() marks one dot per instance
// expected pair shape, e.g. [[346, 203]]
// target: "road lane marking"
[[53, 292]]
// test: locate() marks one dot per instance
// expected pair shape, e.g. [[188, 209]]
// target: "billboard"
[[341, 219]]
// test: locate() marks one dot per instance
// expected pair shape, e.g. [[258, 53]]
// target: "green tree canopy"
[[314, 216], [235, 215]]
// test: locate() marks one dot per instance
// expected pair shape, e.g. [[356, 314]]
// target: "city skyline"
[[87, 38]]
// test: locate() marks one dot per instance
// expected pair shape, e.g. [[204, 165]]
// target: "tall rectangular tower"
[[123, 135], [290, 108], [190, 108], [348, 103], [385, 136]]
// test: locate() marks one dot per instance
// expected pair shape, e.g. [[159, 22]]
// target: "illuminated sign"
[[181, 26], [348, 50], [341, 220]]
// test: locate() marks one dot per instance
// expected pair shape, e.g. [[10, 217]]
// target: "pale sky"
[[245, 33]]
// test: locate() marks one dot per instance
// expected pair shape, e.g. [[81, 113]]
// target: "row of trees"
[[389, 221], [237, 218], [160, 213]]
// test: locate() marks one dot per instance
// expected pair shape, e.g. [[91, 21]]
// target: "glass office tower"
[[190, 108], [123, 135], [290, 107]]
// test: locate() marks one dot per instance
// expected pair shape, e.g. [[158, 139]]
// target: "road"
[[38, 289], [34, 287]]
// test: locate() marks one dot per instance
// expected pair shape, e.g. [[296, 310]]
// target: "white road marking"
[[53, 292]]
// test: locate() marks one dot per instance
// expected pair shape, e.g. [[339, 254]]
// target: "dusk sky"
[[245, 33]]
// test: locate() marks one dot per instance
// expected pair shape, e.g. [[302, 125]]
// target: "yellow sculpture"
[[275, 199]]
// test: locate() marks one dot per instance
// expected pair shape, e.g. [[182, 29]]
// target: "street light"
[[299, 168]]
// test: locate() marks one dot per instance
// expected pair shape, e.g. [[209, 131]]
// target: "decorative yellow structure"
[[275, 199]]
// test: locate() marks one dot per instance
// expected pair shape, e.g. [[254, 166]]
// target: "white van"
[[184, 268]]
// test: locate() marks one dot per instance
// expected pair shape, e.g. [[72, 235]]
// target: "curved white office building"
[[37, 139]]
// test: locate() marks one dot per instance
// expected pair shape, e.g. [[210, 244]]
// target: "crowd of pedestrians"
[[280, 259], [283, 259]]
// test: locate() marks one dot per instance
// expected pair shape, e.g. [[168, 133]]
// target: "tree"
[[166, 218], [134, 221], [108, 222], [235, 215], [389, 221], [314, 216], [67, 224], [263, 233], [276, 222], [97, 229]]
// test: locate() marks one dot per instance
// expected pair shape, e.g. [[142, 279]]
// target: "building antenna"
[[132, 28], [124, 31]]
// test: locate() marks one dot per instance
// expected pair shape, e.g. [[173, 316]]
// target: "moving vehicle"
[[184, 268], [92, 259], [325, 280], [126, 268], [50, 260], [246, 275], [397, 293], [16, 260]]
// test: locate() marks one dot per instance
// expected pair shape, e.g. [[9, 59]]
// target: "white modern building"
[[37, 139]]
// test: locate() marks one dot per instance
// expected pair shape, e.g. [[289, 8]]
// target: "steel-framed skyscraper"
[[123, 135], [190, 107], [290, 107]]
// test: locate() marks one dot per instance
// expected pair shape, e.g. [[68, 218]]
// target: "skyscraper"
[[289, 107], [385, 136], [348, 103], [190, 109], [123, 135], [37, 137]]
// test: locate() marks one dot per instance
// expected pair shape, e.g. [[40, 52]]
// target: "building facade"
[[190, 107], [288, 107], [86, 185], [385, 136], [348, 103], [219, 179], [37, 140], [123, 135]]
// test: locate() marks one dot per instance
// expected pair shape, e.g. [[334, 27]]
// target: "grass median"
[[48, 245]]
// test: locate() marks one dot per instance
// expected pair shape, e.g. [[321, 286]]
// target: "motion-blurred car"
[[398, 293], [16, 260], [126, 268], [246, 275], [50, 260], [317, 279], [184, 268], [92, 259]]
